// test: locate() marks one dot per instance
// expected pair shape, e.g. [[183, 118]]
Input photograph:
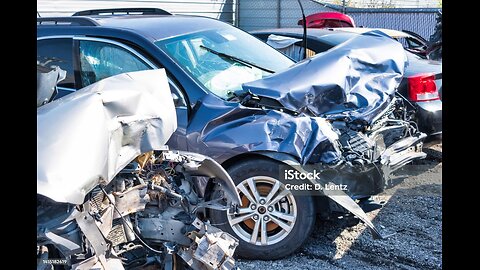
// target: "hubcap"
[[268, 211]]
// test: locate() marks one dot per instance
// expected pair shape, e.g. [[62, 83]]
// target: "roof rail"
[[79, 21], [123, 11]]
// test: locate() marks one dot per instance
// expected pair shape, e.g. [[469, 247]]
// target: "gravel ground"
[[413, 213]]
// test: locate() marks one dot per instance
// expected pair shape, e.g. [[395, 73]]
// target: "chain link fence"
[[385, 3], [399, 15]]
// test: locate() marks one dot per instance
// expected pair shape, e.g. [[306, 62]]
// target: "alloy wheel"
[[268, 212]]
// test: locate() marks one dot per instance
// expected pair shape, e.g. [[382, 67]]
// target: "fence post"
[[278, 13]]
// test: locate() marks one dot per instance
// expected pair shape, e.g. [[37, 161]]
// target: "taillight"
[[422, 87]]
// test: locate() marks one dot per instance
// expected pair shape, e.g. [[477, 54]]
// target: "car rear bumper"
[[429, 115]]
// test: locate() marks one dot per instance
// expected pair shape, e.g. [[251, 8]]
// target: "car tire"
[[279, 242]]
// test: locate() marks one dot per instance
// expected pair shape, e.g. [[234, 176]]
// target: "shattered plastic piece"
[[216, 249], [212, 248]]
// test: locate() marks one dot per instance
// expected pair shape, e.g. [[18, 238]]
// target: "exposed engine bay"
[[371, 152], [358, 153], [110, 195], [150, 214]]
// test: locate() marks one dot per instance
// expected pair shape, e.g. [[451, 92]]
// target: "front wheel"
[[271, 223]]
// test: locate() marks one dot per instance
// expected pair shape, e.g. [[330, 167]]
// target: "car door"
[[58, 51], [88, 60], [100, 58]]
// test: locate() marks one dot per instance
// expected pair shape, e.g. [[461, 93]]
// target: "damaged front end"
[[337, 113], [110, 193], [150, 214]]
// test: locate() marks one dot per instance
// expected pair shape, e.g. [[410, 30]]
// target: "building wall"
[[218, 9]]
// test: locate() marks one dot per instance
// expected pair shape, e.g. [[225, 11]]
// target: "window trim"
[[135, 53], [119, 44], [76, 65], [66, 89]]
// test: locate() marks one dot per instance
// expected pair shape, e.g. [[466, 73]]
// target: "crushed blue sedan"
[[335, 116]]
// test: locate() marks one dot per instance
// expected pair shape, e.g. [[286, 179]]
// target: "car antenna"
[[304, 24]]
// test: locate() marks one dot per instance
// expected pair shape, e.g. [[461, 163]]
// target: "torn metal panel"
[[346, 202], [355, 79], [111, 122]]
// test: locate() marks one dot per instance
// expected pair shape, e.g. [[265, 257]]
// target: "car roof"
[[318, 32], [321, 34], [361, 30], [154, 27]]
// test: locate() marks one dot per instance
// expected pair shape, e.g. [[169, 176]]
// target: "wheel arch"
[[270, 155]]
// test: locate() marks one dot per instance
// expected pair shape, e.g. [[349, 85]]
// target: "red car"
[[328, 20]]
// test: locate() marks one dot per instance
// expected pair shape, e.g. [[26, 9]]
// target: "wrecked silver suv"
[[110, 193]]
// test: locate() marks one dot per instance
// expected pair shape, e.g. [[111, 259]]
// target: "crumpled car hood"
[[355, 79], [111, 122]]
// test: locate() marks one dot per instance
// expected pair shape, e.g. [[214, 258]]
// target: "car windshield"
[[223, 59]]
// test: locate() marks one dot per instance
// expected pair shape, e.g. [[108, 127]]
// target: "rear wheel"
[[271, 223]]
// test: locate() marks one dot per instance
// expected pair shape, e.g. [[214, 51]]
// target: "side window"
[[99, 60], [413, 43], [177, 95], [58, 52]]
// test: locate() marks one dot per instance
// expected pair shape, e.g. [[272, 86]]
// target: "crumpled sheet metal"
[[215, 250], [210, 168], [211, 248], [90, 135], [354, 79], [237, 130]]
